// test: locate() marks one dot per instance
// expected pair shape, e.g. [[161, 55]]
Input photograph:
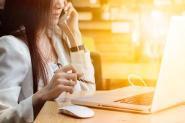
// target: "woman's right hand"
[[62, 81]]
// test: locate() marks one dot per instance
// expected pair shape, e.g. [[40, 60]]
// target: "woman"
[[33, 42]]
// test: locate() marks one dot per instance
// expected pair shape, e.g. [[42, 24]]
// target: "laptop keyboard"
[[141, 99]]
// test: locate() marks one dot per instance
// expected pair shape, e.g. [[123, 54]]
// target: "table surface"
[[50, 114]]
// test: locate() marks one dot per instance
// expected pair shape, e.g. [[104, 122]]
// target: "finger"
[[71, 76], [62, 88], [70, 83], [71, 12], [66, 69], [65, 3], [69, 68], [68, 76], [68, 6], [66, 82], [59, 89], [58, 71], [60, 74]]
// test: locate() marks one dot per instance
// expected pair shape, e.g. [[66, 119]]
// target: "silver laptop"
[[170, 88]]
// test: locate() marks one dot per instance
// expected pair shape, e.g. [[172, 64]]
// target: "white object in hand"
[[77, 111]]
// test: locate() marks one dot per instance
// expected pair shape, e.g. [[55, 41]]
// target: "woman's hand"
[[72, 16], [62, 81], [71, 23]]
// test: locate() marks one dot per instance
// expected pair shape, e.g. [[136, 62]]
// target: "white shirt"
[[16, 80], [80, 60]]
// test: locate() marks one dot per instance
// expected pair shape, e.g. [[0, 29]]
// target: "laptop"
[[170, 87]]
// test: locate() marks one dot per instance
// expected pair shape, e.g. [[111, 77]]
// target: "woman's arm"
[[80, 59], [14, 66], [13, 69], [82, 62]]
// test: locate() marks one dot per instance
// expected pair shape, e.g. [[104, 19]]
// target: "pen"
[[79, 79]]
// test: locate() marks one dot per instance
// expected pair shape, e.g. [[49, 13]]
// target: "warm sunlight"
[[92, 61], [130, 35]]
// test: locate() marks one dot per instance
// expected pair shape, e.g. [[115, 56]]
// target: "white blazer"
[[16, 80]]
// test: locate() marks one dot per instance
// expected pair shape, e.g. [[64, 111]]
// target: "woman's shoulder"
[[12, 41], [12, 45]]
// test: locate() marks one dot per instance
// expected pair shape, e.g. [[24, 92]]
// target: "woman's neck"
[[47, 49]]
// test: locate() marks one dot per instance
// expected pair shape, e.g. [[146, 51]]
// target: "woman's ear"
[[2, 2]]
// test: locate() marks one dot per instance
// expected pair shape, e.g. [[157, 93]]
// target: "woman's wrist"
[[38, 98], [78, 38], [37, 102]]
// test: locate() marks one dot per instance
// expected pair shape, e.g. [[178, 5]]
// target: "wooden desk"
[[49, 114]]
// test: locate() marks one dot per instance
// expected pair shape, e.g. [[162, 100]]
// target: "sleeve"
[[13, 69], [82, 61]]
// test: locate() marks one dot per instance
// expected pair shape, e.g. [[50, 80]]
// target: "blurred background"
[[128, 36], [125, 37]]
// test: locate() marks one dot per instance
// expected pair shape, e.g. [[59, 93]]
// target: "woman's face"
[[57, 8]]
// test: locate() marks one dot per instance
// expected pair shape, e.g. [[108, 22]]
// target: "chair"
[[97, 63]]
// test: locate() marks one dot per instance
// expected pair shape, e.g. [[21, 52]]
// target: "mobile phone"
[[62, 13], [63, 16]]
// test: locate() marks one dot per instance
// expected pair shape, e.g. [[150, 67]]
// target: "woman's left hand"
[[72, 16], [72, 22]]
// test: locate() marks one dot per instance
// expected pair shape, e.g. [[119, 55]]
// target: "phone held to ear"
[[65, 28], [63, 16], [63, 24]]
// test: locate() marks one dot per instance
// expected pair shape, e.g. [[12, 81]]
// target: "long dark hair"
[[34, 16]]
